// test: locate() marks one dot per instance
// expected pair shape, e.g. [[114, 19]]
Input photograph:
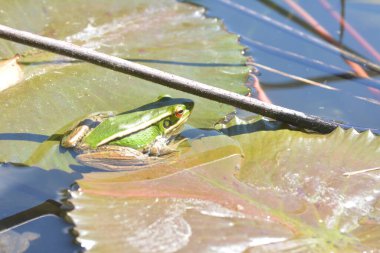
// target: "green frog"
[[146, 130]]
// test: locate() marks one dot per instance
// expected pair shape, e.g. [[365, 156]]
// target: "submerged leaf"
[[14, 242], [289, 194], [168, 35]]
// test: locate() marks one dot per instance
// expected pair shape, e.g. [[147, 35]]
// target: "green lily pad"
[[171, 36], [288, 193]]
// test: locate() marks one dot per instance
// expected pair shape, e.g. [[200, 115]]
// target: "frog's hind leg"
[[75, 135], [112, 157]]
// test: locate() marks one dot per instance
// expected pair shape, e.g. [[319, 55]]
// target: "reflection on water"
[[54, 235], [34, 225], [296, 51], [11, 241]]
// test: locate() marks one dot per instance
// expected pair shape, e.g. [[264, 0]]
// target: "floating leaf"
[[290, 194], [10, 73], [57, 91], [312, 168]]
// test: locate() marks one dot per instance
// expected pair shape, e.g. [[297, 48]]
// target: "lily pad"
[[287, 193], [168, 35]]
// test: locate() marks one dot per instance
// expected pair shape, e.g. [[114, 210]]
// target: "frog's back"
[[140, 139], [117, 127]]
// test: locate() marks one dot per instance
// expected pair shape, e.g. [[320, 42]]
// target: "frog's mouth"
[[176, 128]]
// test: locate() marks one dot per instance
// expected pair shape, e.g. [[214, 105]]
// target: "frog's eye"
[[179, 113]]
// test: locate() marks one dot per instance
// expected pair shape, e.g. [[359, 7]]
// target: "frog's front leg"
[[75, 135], [162, 146]]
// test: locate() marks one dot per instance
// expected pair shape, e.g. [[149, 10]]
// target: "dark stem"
[[289, 116], [49, 207], [341, 26]]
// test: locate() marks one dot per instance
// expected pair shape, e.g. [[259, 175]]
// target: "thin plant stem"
[[315, 41], [307, 81], [351, 173], [254, 82], [351, 30], [289, 116], [314, 63], [326, 35]]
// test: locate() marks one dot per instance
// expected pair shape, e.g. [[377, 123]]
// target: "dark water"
[[23, 194], [24, 188], [346, 105]]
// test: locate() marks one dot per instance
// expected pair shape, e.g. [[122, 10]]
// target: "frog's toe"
[[71, 139]]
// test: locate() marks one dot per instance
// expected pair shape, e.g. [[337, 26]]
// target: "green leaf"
[[286, 194], [57, 91]]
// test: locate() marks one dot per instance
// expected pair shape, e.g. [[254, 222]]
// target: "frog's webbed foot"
[[75, 134], [112, 157]]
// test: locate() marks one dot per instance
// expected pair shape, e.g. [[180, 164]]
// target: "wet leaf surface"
[[287, 193]]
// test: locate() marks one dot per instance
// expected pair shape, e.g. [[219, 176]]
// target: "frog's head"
[[180, 110]]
